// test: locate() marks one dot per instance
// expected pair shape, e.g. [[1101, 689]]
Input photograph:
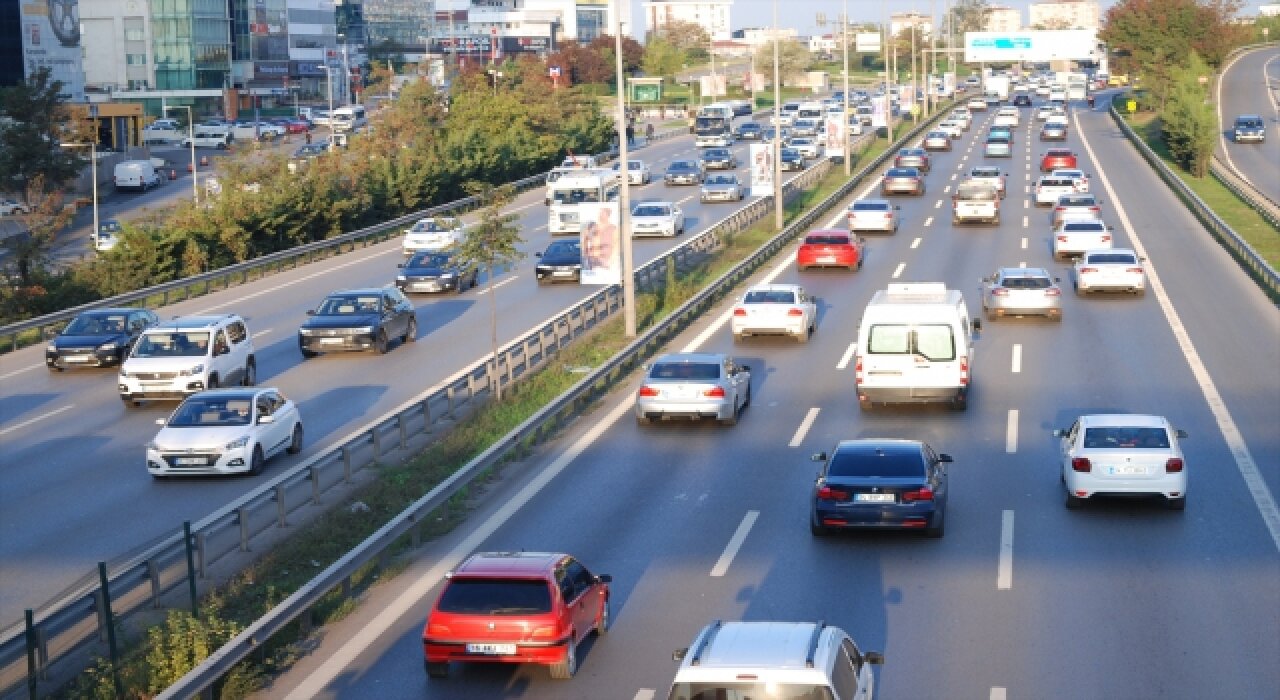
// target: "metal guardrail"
[[1266, 207], [1248, 257], [531, 432], [137, 583]]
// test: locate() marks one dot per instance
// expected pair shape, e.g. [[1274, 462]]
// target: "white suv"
[[774, 659], [182, 356]]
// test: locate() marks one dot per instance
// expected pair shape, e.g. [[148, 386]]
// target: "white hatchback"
[[225, 431], [1122, 455]]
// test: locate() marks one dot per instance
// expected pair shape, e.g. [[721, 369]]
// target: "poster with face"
[[837, 135], [761, 169], [601, 247]]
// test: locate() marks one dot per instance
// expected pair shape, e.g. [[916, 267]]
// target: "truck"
[[136, 175], [996, 85], [713, 130]]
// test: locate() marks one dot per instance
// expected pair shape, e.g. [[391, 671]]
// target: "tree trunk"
[[493, 331]]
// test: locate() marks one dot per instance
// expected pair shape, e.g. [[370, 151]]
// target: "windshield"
[[429, 260], [934, 342], [428, 226], [769, 296], [721, 180], [200, 412], [986, 172], [96, 324], [870, 206], [479, 596], [349, 305], [575, 196], [1026, 283], [651, 211], [683, 165], [829, 238], [1114, 258], [562, 248], [982, 194], [172, 344], [741, 690]]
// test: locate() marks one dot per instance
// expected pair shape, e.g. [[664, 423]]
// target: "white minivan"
[[915, 345], [136, 175]]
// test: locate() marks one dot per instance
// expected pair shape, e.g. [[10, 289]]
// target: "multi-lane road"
[[1022, 598], [1251, 85], [73, 489]]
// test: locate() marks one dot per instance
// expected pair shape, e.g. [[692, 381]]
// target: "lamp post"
[[328, 72], [777, 128], [624, 194], [888, 99], [191, 137], [844, 20]]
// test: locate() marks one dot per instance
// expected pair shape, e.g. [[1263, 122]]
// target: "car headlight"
[[304, 331], [198, 369], [238, 443], [363, 330], [109, 346], [51, 348], [153, 447]]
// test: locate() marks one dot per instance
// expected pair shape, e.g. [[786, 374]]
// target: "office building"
[[711, 15], [1065, 14]]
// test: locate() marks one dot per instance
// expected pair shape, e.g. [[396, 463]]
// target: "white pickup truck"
[[1071, 238], [975, 201]]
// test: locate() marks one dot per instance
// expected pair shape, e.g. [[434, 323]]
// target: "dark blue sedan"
[[881, 484]]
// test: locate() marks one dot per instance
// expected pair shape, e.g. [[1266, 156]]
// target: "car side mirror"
[[1180, 433], [311, 312], [818, 457], [874, 657], [401, 265], [1059, 433], [944, 457], [263, 420], [604, 578], [537, 255]]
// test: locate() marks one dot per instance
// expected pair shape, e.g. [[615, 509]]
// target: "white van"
[[218, 137], [915, 345], [349, 118], [136, 175]]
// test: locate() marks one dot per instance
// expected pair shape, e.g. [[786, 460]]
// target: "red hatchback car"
[[516, 607], [1056, 158], [830, 248]]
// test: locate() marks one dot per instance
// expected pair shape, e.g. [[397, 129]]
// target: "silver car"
[[1075, 206], [873, 215], [1021, 291], [657, 219], [900, 180], [722, 187], [1053, 131], [694, 385], [937, 141], [1111, 270]]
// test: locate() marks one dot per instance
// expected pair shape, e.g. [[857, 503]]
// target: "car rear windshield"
[[997, 139], [483, 596], [685, 370], [902, 172], [981, 194], [986, 172], [866, 462], [870, 206], [1026, 283], [1083, 226], [721, 180], [651, 211], [1115, 437], [683, 165], [742, 690], [934, 342], [1057, 182], [833, 238], [769, 296], [1121, 258]]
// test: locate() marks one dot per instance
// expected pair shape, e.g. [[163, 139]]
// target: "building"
[[1002, 19], [757, 37], [41, 35], [711, 15], [492, 30], [823, 43], [1272, 10], [900, 22], [393, 27], [1065, 14]]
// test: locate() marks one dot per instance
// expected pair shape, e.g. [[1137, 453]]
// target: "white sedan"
[[638, 172], [225, 431], [8, 207], [657, 219], [1044, 112], [1124, 455], [807, 145], [433, 235], [1113, 269], [1080, 177], [1006, 116], [775, 309]]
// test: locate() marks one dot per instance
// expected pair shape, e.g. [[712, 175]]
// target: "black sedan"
[[100, 338], [719, 159], [880, 484], [792, 159], [1022, 100], [435, 272], [748, 131], [683, 172], [358, 319], [562, 260]]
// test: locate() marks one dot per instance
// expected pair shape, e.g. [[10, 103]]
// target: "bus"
[[714, 126], [578, 187]]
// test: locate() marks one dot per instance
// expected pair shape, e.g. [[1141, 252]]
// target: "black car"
[[1021, 100], [719, 159], [435, 272], [311, 150], [791, 159], [683, 172], [358, 319], [880, 484], [749, 131], [100, 338], [562, 260]]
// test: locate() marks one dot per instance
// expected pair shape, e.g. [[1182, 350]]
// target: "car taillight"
[[648, 391], [545, 632], [964, 371], [1059, 208], [1094, 209], [1081, 464], [714, 392], [999, 292], [1106, 237], [888, 215], [739, 311], [857, 371], [795, 312], [1062, 238], [1053, 292], [922, 494], [1173, 465], [438, 630], [826, 493], [1133, 269], [1086, 270]]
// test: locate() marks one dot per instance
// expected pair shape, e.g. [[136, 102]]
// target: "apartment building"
[[1065, 14], [711, 15], [1002, 19]]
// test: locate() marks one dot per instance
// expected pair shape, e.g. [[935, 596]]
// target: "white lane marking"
[[1024, 242], [1028, 177], [1026, 221], [1245, 463], [1026, 189], [1026, 204], [897, 271], [1011, 432], [16, 372], [1017, 358], [915, 244], [946, 188], [847, 357], [42, 416], [954, 176], [644, 694], [997, 693], [961, 166], [937, 204], [261, 333], [1004, 570], [1022, 264], [508, 280], [735, 543], [809, 418], [290, 283], [928, 221]]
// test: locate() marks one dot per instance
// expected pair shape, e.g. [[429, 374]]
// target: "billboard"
[[51, 39], [837, 135], [1048, 45], [601, 253], [761, 169], [866, 42], [713, 85], [880, 112]]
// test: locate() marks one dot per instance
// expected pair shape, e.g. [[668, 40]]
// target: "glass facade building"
[[191, 43], [396, 26]]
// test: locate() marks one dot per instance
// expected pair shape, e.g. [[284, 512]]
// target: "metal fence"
[[79, 617], [1259, 268]]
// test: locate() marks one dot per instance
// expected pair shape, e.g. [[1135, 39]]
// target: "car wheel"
[[295, 441], [437, 669], [1074, 502], [602, 623], [937, 526], [380, 342], [564, 670], [212, 383], [733, 417], [1081, 291], [306, 354], [411, 330], [1176, 503], [644, 420], [250, 374], [54, 368], [960, 402], [815, 529], [990, 314], [1140, 292], [746, 401], [257, 462]]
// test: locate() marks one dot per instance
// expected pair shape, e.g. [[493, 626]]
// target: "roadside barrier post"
[[31, 654], [109, 621], [191, 568]]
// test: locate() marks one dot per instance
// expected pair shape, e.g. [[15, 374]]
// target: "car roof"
[[1008, 272], [1137, 420], [1250, 117], [361, 290], [185, 322], [777, 287], [112, 310], [656, 202], [513, 564], [232, 392], [759, 646]]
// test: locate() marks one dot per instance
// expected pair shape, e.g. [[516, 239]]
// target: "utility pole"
[[844, 21], [624, 196], [777, 128], [888, 99]]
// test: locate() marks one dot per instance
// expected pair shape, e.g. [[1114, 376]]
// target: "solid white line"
[[261, 333], [1004, 571], [847, 356], [928, 221], [997, 693], [805, 424], [40, 417], [735, 543], [1011, 432], [915, 244], [1017, 358], [897, 271], [304, 278], [508, 280], [644, 694], [1247, 467]]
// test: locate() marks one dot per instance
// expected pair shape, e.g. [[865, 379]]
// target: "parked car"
[[1075, 206], [722, 187], [1110, 270], [516, 608], [719, 159], [873, 215], [694, 386], [435, 272], [561, 261], [775, 309], [830, 248], [1055, 158], [880, 484], [101, 337], [1122, 455], [638, 172], [917, 158], [186, 355], [657, 219], [807, 146], [432, 234], [357, 320], [225, 431], [902, 180], [683, 172], [9, 207], [1021, 291]]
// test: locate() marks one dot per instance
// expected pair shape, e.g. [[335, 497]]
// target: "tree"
[[492, 243], [793, 59], [661, 57], [30, 250], [970, 16], [684, 36], [1188, 121], [31, 132]]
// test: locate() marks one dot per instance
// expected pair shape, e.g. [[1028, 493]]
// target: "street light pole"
[[624, 195], [844, 19], [93, 166], [328, 74], [777, 128], [191, 137]]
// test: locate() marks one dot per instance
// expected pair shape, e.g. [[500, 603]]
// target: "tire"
[[307, 354], [212, 383], [1140, 292], [738, 337], [1074, 502], [250, 373], [747, 401], [1176, 503], [602, 624], [411, 330], [380, 342], [733, 417], [437, 669], [564, 670], [53, 368], [295, 440], [960, 403], [815, 529], [257, 462], [644, 421], [1081, 291], [937, 526]]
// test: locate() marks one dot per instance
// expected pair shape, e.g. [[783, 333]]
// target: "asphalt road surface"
[[1251, 85]]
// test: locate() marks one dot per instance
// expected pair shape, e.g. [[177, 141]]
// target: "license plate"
[[161, 383], [827, 259], [563, 273], [494, 649], [331, 341], [189, 461], [874, 497], [75, 358], [1127, 470]]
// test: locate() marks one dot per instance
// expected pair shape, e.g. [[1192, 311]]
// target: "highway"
[[73, 489], [1251, 85], [1022, 598]]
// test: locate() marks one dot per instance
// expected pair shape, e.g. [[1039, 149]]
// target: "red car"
[[830, 248], [516, 607], [1056, 158], [297, 126]]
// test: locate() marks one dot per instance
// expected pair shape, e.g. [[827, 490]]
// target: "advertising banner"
[[713, 85], [880, 112], [1033, 45], [948, 84], [837, 135], [866, 42], [601, 251], [761, 169], [51, 39]]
